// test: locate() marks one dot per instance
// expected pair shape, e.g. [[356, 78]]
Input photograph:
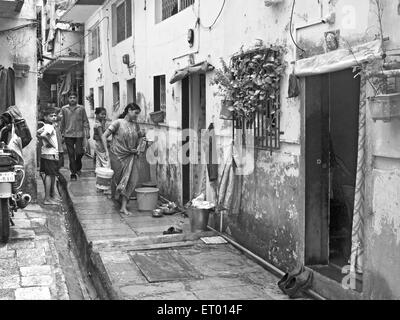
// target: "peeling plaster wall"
[[382, 221], [20, 47], [271, 222]]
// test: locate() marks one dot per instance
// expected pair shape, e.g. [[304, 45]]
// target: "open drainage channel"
[[68, 236]]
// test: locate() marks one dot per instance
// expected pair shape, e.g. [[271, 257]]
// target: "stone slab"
[[10, 282], [31, 257], [232, 293], [36, 271], [164, 265], [7, 254], [17, 234], [33, 293], [37, 281], [7, 294]]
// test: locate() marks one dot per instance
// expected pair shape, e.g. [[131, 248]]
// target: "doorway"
[[194, 118], [332, 118]]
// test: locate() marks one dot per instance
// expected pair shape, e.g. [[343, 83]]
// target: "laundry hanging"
[[7, 88]]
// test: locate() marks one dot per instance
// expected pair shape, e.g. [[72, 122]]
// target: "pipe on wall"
[[264, 263]]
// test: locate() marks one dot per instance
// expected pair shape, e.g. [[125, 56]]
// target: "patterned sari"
[[126, 138]]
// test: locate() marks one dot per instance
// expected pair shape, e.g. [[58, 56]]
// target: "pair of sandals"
[[296, 281]]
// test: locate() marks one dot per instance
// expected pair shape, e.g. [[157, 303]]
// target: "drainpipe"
[[264, 263]]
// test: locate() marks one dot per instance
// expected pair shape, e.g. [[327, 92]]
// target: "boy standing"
[[74, 128], [49, 159]]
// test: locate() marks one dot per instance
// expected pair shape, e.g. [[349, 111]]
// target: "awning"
[[61, 64], [193, 69], [339, 59]]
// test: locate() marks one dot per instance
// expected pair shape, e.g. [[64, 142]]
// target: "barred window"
[[186, 3], [159, 93], [94, 43], [122, 21], [172, 7], [262, 130]]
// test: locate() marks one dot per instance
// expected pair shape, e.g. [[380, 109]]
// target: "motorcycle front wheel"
[[4, 220]]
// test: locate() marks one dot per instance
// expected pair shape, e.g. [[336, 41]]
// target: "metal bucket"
[[198, 219]]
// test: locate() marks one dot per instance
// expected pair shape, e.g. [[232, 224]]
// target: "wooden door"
[[317, 170], [185, 139]]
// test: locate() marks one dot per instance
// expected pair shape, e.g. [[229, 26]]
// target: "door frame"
[[323, 254], [188, 171]]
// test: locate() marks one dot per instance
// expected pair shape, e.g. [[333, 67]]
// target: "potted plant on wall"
[[385, 105], [157, 117], [252, 78]]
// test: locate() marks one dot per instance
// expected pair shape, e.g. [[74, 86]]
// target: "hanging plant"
[[90, 98], [251, 79]]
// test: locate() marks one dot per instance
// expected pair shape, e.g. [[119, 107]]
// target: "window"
[[94, 43], [131, 90], [122, 21], [186, 3], [264, 127], [159, 93], [101, 97], [168, 8], [90, 98], [116, 102]]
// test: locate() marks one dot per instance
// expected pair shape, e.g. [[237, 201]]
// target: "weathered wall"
[[271, 221], [382, 224], [20, 47]]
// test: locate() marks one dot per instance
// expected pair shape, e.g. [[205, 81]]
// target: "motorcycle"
[[12, 174]]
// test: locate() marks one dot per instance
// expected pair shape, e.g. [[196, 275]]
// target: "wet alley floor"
[[138, 262], [38, 262]]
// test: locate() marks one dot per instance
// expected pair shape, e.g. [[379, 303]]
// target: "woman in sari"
[[123, 154]]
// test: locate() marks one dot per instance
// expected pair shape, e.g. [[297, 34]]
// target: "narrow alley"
[[130, 258], [193, 150]]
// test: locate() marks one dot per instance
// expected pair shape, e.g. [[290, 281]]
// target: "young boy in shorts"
[[49, 159]]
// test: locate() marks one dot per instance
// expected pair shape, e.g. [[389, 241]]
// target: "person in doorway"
[[123, 154], [49, 158], [74, 128], [99, 128]]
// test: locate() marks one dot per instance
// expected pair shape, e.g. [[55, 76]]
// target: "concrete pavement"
[[130, 258]]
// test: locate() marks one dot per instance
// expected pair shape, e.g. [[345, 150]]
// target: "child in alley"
[[49, 158], [98, 131]]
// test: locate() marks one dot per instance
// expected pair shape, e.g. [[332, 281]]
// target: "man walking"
[[74, 128]]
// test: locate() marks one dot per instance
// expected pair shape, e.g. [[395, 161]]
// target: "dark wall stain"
[[268, 223]]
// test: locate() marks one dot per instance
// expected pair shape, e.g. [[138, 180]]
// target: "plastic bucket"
[[147, 198], [149, 184], [103, 178], [198, 219]]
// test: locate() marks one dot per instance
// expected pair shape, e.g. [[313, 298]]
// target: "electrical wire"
[[19, 27], [198, 21], [291, 25], [83, 37], [108, 46]]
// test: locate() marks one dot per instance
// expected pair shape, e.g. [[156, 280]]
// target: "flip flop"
[[130, 214], [288, 276], [172, 230]]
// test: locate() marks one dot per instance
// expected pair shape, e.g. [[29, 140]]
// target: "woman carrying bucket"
[[102, 163], [123, 154]]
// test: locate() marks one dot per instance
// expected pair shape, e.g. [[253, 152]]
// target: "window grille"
[[186, 3], [169, 8], [263, 127], [94, 43], [172, 7], [160, 93], [123, 23]]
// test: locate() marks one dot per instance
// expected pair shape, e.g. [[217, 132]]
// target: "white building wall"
[[20, 47]]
